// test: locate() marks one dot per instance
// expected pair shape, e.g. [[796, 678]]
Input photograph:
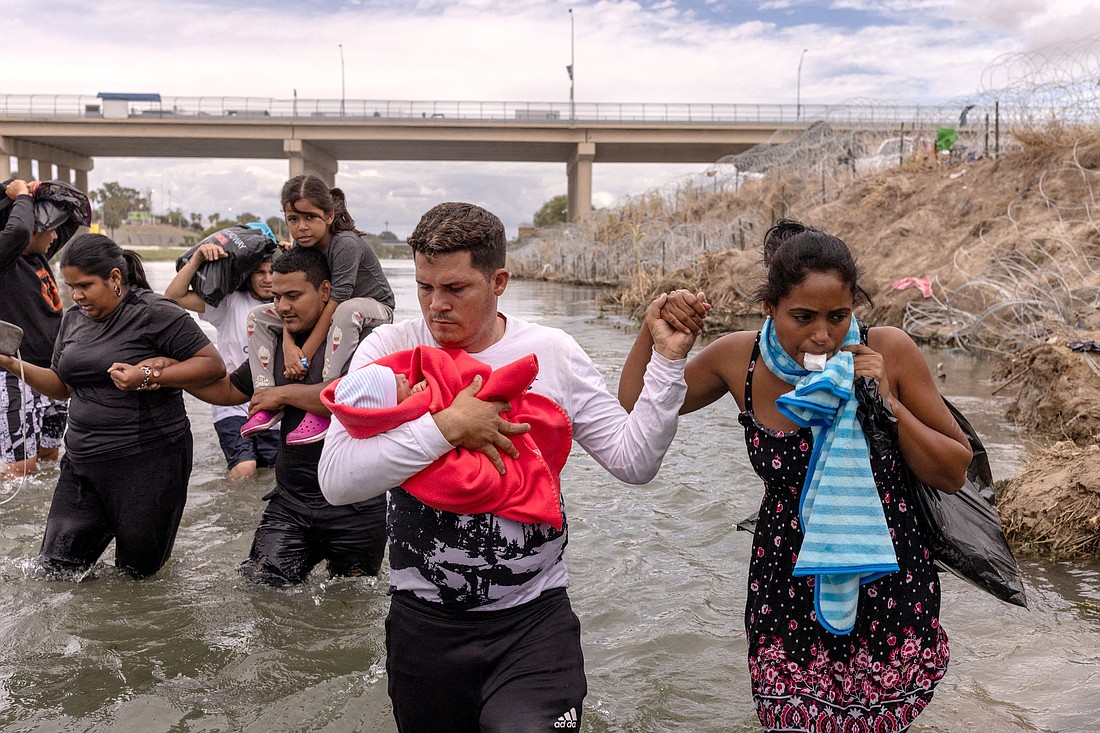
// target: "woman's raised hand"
[[674, 320], [685, 311]]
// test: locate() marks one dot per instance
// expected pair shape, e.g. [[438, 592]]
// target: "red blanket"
[[463, 481]]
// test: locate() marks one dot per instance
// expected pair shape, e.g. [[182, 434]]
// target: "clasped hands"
[[675, 320], [130, 377]]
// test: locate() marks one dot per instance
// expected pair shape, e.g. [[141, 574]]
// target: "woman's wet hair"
[[329, 200], [793, 250], [98, 255]]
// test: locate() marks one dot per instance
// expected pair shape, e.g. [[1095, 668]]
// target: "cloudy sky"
[[704, 51]]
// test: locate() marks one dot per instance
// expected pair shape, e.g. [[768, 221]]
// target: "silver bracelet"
[[148, 375]]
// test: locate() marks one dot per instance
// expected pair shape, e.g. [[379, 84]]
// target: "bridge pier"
[[579, 173], [47, 156], [305, 157]]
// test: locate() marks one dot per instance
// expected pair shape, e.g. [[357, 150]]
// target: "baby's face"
[[403, 388]]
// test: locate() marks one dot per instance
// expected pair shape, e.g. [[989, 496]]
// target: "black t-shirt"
[[30, 297], [296, 466], [104, 421]]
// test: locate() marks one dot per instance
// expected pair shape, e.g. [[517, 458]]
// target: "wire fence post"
[[997, 129]]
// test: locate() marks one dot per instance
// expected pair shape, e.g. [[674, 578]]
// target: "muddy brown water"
[[658, 579]]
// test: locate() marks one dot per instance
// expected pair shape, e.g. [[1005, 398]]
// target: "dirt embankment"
[[1053, 506]]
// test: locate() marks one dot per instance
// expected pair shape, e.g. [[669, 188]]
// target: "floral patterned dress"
[[881, 675]]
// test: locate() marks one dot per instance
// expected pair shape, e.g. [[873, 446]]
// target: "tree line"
[[114, 204]]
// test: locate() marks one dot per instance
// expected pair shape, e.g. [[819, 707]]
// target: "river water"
[[658, 580]]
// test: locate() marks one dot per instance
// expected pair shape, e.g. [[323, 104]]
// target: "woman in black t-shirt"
[[128, 447]]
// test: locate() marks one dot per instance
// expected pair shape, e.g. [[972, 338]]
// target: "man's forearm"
[[303, 396], [221, 392], [632, 446], [357, 469]]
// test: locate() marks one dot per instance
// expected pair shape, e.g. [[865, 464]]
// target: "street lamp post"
[[798, 93], [341, 78], [572, 48]]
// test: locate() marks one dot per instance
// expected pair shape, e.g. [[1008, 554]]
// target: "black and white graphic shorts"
[[29, 422]]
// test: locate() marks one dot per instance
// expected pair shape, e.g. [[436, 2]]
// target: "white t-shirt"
[[230, 319], [483, 561]]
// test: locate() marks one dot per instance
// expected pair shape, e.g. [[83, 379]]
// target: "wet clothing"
[[263, 447], [127, 454], [299, 528], [29, 422], [138, 503], [482, 561], [519, 669], [31, 300], [881, 674], [104, 421], [293, 537]]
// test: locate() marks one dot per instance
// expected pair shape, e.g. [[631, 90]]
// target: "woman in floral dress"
[[806, 674]]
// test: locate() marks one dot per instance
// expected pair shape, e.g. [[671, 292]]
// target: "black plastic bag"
[[963, 529], [246, 245], [57, 205]]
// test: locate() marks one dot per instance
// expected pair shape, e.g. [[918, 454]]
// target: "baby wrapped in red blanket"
[[464, 482]]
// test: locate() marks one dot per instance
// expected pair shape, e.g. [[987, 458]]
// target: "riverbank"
[[1052, 507], [1005, 246]]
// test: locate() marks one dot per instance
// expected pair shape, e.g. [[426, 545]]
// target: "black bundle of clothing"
[[57, 205]]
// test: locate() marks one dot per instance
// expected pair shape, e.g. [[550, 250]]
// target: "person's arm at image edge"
[[41, 379]]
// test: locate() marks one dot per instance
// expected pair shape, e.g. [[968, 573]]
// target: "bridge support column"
[[5, 165], [24, 168], [579, 173], [47, 156], [308, 158], [64, 173]]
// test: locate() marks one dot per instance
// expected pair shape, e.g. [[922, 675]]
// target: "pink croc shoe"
[[261, 421], [310, 430]]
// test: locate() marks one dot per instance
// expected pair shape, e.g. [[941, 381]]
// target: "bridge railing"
[[542, 113]]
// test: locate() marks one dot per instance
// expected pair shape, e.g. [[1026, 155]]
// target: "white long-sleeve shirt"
[[484, 561]]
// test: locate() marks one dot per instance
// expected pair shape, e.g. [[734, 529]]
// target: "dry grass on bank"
[[1053, 507]]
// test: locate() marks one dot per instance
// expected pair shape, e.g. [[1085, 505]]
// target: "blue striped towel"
[[846, 540]]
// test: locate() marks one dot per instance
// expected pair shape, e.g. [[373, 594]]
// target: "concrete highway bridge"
[[66, 133]]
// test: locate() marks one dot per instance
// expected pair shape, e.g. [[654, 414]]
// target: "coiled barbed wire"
[[1057, 83], [1037, 282]]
